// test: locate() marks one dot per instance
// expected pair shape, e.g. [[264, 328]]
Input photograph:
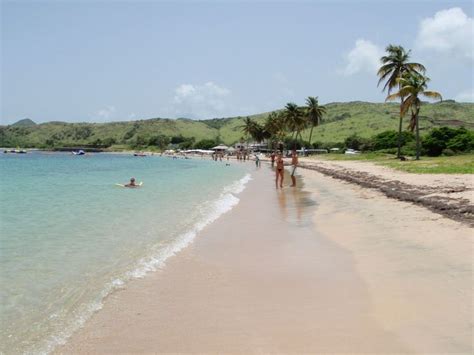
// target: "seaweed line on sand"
[[458, 209]]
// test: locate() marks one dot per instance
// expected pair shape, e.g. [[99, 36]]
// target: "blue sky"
[[101, 61]]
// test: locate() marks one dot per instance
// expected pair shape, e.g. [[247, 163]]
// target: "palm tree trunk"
[[296, 140], [293, 137], [399, 143], [310, 134], [417, 136]]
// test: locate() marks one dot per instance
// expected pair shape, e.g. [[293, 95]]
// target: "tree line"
[[402, 79]]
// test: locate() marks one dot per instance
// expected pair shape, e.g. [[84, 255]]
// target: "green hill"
[[24, 122], [342, 120]]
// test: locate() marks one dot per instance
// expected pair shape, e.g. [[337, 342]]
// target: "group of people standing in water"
[[277, 158]]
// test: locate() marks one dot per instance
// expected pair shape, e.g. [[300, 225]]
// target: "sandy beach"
[[327, 267]]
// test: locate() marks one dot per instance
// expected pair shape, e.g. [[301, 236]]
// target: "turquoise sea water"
[[69, 236]]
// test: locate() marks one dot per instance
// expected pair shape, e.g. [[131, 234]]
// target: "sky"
[[102, 61]]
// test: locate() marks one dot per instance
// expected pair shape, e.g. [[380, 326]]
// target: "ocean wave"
[[210, 213]]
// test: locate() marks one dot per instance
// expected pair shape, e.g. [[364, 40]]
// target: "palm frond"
[[393, 97], [432, 95]]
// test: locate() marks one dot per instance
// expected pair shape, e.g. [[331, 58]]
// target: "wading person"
[[294, 164], [279, 170]]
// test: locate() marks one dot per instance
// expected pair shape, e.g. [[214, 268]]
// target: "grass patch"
[[459, 164], [363, 156]]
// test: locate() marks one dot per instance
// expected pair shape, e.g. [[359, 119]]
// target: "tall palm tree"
[[259, 133], [275, 126], [394, 65], [248, 128], [295, 120], [412, 86], [314, 113]]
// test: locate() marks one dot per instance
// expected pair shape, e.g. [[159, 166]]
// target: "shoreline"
[[256, 280]]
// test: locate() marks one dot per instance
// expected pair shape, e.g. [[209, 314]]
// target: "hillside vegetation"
[[342, 120]]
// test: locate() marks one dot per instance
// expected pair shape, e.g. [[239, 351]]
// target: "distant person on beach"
[[257, 160], [131, 183], [294, 164], [279, 170], [272, 157]]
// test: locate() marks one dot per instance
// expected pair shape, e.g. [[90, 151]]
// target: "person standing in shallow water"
[[272, 157], [294, 164], [279, 170]]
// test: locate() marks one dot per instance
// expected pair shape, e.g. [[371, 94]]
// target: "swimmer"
[[131, 183]]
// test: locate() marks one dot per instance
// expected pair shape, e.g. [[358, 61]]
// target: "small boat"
[[139, 154], [15, 151], [79, 152]]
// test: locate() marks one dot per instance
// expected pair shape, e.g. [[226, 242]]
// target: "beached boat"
[[15, 151], [79, 152], [351, 151]]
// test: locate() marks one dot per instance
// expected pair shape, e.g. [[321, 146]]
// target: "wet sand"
[[325, 267]]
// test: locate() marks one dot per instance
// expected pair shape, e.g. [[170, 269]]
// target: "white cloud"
[[132, 116], [105, 113], [465, 96], [200, 101], [364, 57], [449, 31]]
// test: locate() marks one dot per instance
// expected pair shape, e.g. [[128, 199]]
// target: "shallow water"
[[69, 236]]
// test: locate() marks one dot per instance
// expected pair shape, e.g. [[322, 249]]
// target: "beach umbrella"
[[220, 147]]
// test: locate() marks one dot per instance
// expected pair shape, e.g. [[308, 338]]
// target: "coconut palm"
[[314, 113], [394, 65], [412, 86], [248, 126], [294, 118], [275, 126], [259, 133]]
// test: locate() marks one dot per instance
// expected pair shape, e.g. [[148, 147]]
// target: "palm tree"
[[295, 120], [275, 126], [314, 112], [412, 86], [248, 128], [394, 65], [259, 133]]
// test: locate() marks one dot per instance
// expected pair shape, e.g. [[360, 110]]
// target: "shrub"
[[295, 143], [389, 139], [160, 141], [205, 144], [187, 143], [463, 142], [107, 142], [138, 141], [433, 145], [458, 140], [409, 149], [177, 139], [358, 143]]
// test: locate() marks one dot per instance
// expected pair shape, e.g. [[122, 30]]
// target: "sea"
[[69, 236]]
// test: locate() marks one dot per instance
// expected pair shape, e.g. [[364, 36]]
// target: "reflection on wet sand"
[[296, 204]]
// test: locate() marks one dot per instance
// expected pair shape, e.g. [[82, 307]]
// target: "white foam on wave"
[[223, 204]]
